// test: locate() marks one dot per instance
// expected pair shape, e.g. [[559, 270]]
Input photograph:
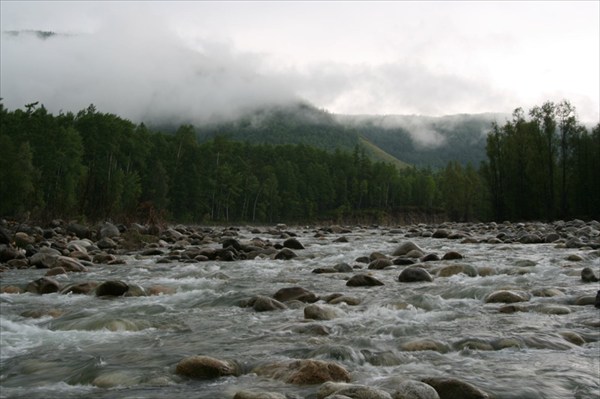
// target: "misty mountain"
[[427, 141], [414, 140]]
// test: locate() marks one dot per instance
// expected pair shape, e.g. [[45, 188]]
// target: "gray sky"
[[202, 60]]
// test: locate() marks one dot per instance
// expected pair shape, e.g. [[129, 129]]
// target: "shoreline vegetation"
[[93, 166]]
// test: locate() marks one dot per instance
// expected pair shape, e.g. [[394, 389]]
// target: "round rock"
[[363, 280], [205, 368], [414, 274]]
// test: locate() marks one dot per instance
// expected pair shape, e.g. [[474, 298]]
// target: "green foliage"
[[544, 167], [96, 165]]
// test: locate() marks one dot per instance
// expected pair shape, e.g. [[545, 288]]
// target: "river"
[[72, 346]]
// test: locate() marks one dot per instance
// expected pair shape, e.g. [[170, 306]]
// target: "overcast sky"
[[202, 60]]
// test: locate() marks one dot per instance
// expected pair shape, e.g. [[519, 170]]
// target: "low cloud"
[[147, 72], [141, 74]]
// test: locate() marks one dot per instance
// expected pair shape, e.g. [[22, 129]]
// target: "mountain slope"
[[297, 124], [402, 140], [427, 141]]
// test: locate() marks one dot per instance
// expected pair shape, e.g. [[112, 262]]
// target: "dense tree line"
[[545, 167], [94, 165]]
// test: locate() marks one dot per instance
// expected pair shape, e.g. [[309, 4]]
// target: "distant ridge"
[[40, 34], [402, 140]]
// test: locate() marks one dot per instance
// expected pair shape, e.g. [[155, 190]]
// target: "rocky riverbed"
[[420, 311]]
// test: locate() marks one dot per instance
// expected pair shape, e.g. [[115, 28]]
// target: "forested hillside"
[[427, 141], [93, 165], [404, 140]]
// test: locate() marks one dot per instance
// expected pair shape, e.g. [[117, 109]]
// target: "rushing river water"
[[128, 347]]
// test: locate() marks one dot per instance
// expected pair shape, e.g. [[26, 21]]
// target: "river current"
[[73, 346]]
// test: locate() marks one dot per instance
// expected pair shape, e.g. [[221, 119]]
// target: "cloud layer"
[[195, 62]]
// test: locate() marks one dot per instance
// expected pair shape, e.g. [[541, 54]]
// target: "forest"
[[91, 166]]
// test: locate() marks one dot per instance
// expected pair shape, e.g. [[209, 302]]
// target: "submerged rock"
[[506, 296], [424, 345], [265, 304], [205, 368], [363, 280], [343, 390], [588, 276], [44, 285], [285, 254], [245, 394], [320, 312], [295, 293], [112, 288], [452, 388], [304, 372], [411, 389]]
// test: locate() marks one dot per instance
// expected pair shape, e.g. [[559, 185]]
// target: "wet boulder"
[[55, 271], [69, 264], [588, 275], [8, 253], [405, 248], [414, 275], [585, 300], [109, 230], [232, 242], [430, 258], [348, 300], [403, 261], [441, 233], [363, 280], [451, 270], [344, 390], [246, 394], [79, 230], [380, 263], [452, 255], [104, 258], [411, 389], [44, 285], [106, 243], [452, 388], [285, 254], [304, 372], [507, 296], [293, 243], [22, 239], [415, 254], [295, 293], [320, 312], [262, 303], [18, 263], [206, 368], [44, 258], [80, 288], [112, 288], [531, 238], [424, 345]]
